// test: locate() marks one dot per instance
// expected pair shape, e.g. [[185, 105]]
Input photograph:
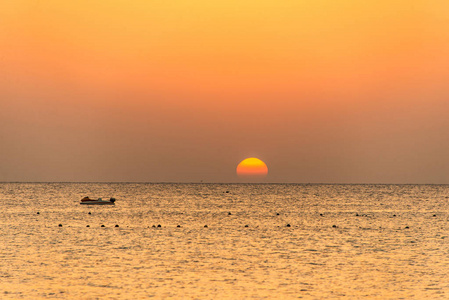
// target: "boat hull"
[[97, 203]]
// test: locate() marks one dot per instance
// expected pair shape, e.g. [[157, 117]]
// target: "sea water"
[[224, 241]]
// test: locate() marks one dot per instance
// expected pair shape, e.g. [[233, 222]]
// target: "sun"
[[252, 168]]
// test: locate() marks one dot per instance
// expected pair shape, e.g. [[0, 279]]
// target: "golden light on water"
[[252, 168]]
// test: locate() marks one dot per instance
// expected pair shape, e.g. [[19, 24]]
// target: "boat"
[[99, 201]]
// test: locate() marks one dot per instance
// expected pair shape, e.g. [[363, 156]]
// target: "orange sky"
[[322, 91]]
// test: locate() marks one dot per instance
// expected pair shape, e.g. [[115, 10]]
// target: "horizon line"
[[196, 182]]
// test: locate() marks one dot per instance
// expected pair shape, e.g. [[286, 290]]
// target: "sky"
[[322, 91]]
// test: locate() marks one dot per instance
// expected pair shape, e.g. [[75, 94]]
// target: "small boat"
[[99, 201]]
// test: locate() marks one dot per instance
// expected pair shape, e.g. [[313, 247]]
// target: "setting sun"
[[252, 167]]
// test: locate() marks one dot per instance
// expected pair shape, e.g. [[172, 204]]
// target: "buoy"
[[288, 225], [229, 213], [89, 213], [205, 226], [60, 225], [334, 226], [277, 214], [38, 213], [246, 226], [159, 225], [116, 225], [178, 226], [102, 225], [153, 226], [87, 226], [406, 227]]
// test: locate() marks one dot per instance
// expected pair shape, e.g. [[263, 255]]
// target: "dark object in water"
[[38, 212], [159, 226], [434, 215], [277, 214], [153, 226], [60, 225], [178, 226], [229, 213], [102, 225], [99, 201], [227, 192], [246, 225], [88, 226], [334, 226], [321, 215], [205, 226], [116, 225], [89, 213], [288, 225], [406, 227]]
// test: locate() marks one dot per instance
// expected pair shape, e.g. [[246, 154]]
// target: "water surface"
[[262, 241]]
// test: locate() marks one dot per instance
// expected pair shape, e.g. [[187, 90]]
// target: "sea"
[[224, 241]]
